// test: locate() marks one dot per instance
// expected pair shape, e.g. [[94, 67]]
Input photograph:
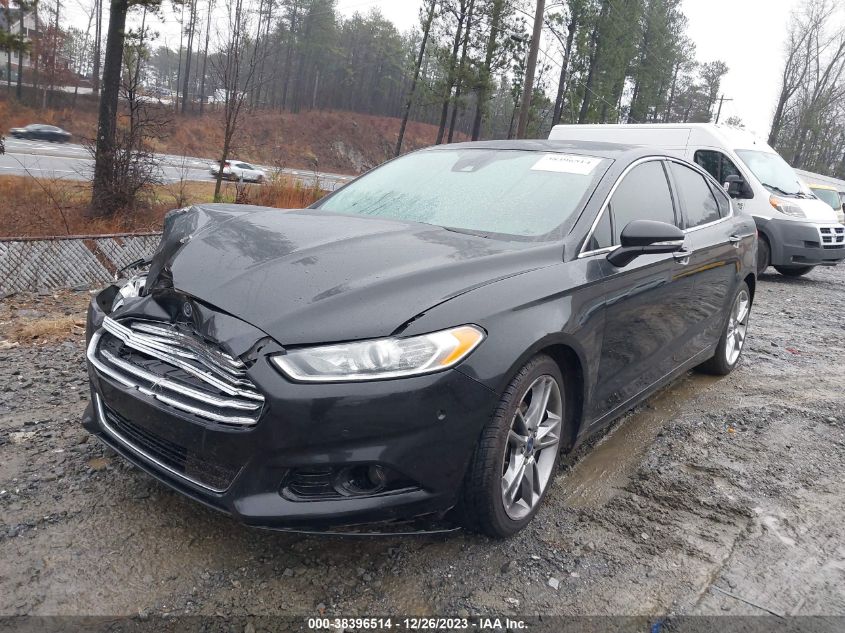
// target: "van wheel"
[[793, 271], [764, 255], [729, 347], [516, 458]]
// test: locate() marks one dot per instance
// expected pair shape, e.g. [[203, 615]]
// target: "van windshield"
[[829, 196], [772, 171]]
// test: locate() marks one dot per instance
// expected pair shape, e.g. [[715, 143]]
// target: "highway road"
[[41, 159]]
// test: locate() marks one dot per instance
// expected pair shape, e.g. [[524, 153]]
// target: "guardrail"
[[38, 264]]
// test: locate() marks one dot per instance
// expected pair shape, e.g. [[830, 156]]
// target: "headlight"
[[786, 207], [132, 288], [381, 358]]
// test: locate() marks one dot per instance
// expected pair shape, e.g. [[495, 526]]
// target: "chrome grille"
[[179, 369], [832, 236]]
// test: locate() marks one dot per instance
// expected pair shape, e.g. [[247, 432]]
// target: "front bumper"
[[424, 429], [803, 243]]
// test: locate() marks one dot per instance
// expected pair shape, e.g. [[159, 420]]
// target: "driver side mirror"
[[646, 237], [737, 187]]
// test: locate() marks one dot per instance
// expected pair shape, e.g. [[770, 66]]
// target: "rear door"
[[714, 243], [647, 301]]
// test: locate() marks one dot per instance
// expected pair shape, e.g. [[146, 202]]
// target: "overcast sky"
[[746, 34]]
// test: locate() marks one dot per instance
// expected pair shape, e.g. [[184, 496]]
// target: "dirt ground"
[[718, 496]]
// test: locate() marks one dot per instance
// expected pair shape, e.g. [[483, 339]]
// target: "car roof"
[[591, 148], [814, 185]]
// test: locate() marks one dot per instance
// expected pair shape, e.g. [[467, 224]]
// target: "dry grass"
[[30, 318], [37, 207], [335, 141], [27, 331]]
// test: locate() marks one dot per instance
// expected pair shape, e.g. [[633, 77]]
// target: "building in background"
[[10, 22]]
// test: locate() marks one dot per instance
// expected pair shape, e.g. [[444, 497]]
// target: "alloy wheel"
[[737, 327], [532, 447]]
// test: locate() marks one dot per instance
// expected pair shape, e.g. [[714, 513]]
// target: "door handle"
[[682, 256], [735, 239]]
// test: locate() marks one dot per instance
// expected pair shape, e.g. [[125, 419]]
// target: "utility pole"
[[528, 84], [205, 54], [719, 111], [98, 38]]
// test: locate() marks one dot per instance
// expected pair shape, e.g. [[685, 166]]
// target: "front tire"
[[732, 341], [793, 271], [764, 255], [517, 457]]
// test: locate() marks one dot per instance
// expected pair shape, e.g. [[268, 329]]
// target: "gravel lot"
[[715, 496]]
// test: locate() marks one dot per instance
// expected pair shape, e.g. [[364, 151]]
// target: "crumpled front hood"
[[307, 276]]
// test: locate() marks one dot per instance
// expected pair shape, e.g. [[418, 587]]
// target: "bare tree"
[[460, 13], [432, 4], [497, 9], [797, 63], [808, 126], [531, 65], [234, 68], [132, 165]]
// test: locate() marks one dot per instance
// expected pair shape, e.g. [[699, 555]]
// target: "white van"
[[797, 231]]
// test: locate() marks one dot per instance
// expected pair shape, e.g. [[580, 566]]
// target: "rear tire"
[[517, 456], [793, 271], [764, 254], [731, 343]]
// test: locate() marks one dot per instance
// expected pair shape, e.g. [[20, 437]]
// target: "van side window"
[[716, 164], [697, 199], [642, 195]]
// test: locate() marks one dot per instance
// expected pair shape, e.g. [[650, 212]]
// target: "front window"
[[829, 196], [642, 195], [483, 191], [772, 171], [716, 164]]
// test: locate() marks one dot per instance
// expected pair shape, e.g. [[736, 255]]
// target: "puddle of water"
[[605, 469]]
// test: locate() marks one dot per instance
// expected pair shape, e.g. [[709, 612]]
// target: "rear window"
[[485, 191]]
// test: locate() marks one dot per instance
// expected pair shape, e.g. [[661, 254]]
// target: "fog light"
[[361, 480], [377, 475]]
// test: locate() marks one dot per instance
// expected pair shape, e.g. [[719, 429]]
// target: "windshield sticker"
[[566, 164]]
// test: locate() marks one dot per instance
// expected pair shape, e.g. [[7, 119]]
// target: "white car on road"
[[237, 170]]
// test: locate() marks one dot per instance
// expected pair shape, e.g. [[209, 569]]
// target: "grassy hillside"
[[342, 142]]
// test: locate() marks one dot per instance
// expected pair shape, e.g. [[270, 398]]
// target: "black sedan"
[[41, 132], [426, 340]]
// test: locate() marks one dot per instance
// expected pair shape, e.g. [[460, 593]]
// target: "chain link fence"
[[35, 264]]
